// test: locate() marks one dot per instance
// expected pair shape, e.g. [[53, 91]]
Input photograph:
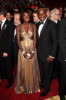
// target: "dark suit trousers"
[[46, 74], [62, 79], [6, 66], [3, 68], [55, 68]]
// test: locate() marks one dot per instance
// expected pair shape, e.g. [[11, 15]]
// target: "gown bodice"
[[27, 38]]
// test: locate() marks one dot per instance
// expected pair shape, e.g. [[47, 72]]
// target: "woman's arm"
[[18, 37], [34, 41], [18, 40]]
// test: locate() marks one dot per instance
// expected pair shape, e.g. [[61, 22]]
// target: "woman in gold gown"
[[27, 74]]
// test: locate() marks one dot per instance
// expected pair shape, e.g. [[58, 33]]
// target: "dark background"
[[55, 3], [49, 3]]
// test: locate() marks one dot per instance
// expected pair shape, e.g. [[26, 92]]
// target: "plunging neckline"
[[28, 29]]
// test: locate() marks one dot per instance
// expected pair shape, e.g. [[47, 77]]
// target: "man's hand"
[[50, 59], [5, 54]]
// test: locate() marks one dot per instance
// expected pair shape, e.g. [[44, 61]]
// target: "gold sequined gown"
[[27, 74]]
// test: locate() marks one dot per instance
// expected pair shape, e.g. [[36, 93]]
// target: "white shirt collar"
[[45, 20], [56, 21], [4, 20]]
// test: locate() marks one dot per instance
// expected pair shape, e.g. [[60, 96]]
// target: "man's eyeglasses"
[[57, 14]]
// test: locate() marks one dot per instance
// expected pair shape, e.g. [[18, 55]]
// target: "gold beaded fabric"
[[27, 74]]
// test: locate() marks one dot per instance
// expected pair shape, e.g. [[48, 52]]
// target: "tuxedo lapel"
[[44, 27], [4, 27], [37, 26]]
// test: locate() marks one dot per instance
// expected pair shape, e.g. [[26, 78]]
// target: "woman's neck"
[[26, 23]]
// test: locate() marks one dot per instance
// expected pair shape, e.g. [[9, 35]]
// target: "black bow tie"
[[0, 22], [41, 23]]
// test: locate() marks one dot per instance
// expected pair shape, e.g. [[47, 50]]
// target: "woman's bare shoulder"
[[33, 25], [19, 26]]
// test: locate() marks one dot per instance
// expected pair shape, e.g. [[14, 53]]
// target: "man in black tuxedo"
[[46, 49], [55, 16], [6, 42], [62, 58]]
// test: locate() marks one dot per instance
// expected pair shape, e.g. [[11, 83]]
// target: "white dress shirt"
[[15, 28], [41, 26], [15, 31]]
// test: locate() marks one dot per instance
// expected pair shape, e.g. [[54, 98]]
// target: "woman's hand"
[[25, 55], [31, 55]]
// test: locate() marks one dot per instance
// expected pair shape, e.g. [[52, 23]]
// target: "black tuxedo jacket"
[[62, 40], [47, 42], [6, 38]]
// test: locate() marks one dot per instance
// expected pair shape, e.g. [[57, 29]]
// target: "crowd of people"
[[35, 39]]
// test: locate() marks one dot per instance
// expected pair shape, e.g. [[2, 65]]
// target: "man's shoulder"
[[37, 24], [63, 20], [50, 21], [9, 23]]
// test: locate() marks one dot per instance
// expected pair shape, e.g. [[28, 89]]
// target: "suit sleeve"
[[54, 39], [9, 39], [62, 37]]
